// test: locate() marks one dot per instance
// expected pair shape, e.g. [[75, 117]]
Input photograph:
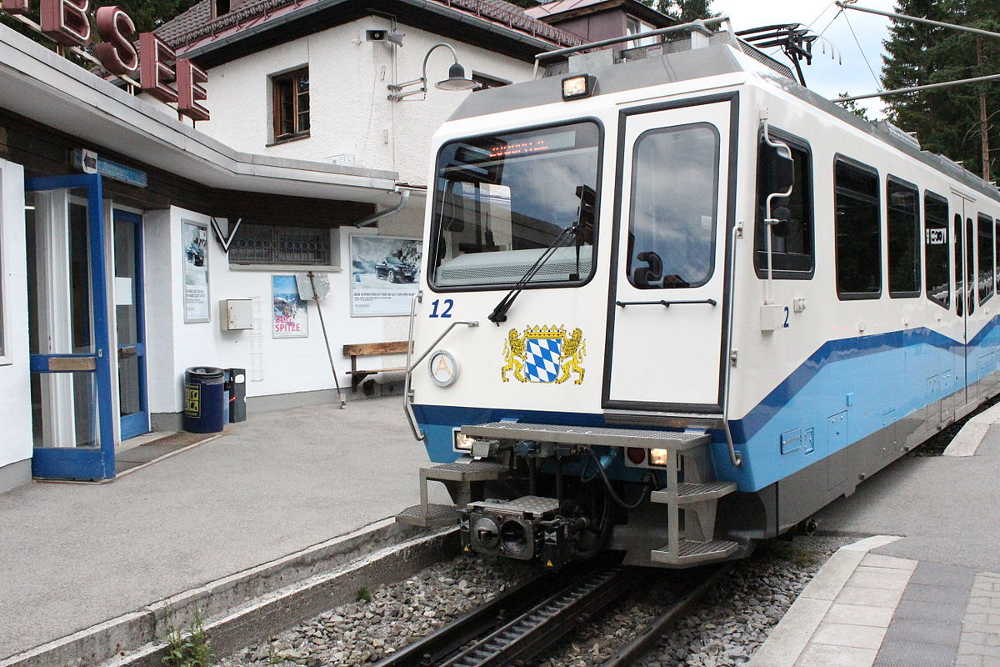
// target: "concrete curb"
[[789, 638], [263, 599], [972, 434]]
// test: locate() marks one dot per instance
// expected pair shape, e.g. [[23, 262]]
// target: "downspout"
[[404, 196]]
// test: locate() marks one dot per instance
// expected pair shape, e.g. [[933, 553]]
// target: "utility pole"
[[984, 127]]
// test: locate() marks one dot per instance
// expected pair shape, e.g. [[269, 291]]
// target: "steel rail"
[[631, 652]]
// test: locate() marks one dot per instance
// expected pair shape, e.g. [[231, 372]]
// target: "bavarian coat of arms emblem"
[[544, 354]]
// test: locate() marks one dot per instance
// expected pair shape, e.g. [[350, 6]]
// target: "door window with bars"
[[281, 245], [290, 106]]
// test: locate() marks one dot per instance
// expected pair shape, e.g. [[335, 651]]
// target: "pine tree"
[[946, 120], [682, 11]]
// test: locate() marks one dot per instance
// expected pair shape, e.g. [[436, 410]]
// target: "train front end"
[[571, 322]]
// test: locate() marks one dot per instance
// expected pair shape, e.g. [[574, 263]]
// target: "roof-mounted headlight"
[[577, 86]]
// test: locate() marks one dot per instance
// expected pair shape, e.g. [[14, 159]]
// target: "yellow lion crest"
[[548, 345], [574, 349]]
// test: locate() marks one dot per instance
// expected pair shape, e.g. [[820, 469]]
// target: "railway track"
[[529, 619]]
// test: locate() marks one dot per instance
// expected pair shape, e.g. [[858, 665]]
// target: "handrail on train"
[[700, 25]]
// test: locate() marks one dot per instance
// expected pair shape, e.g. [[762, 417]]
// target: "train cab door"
[[667, 310], [963, 257]]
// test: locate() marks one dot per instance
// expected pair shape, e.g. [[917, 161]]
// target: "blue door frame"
[[83, 462], [136, 423]]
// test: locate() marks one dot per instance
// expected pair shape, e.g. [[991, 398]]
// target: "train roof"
[[618, 71]]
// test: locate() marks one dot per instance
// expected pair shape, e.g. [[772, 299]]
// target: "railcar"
[[673, 303]]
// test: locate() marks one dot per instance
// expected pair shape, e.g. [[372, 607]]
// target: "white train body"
[[819, 377]]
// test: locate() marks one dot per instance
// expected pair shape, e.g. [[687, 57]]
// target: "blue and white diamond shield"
[[543, 359]]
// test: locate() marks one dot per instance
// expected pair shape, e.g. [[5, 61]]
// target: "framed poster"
[[194, 251], [290, 314], [385, 273]]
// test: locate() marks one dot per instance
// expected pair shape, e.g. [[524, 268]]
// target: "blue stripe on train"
[[844, 392]]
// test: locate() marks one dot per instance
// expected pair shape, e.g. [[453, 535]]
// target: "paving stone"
[[857, 614], [912, 654], [977, 649], [977, 619], [930, 611], [920, 631], [890, 562], [842, 634], [830, 580], [969, 661], [891, 580], [977, 638], [936, 574], [820, 655], [936, 594], [871, 597]]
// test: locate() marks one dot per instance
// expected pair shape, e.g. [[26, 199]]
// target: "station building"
[[135, 243]]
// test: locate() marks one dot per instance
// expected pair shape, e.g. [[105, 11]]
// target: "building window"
[[904, 238], [985, 258], [291, 105], [936, 274], [791, 239], [281, 245], [634, 26], [858, 229], [487, 81]]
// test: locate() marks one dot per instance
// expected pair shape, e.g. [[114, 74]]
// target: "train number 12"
[[449, 304]]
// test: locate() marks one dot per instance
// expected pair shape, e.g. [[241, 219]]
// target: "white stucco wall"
[[15, 383], [285, 365], [352, 121]]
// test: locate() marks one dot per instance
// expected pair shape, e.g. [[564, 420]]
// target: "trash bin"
[[204, 399], [236, 383]]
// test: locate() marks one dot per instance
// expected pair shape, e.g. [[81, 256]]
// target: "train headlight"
[[463, 442], [575, 87], [657, 457], [444, 368]]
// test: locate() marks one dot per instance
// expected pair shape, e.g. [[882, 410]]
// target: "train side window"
[[936, 274], [904, 238], [792, 253], [997, 237], [858, 231], [985, 231], [970, 266], [959, 279]]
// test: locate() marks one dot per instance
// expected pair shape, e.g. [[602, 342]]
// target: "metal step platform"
[[588, 435], [691, 552], [464, 473], [688, 493]]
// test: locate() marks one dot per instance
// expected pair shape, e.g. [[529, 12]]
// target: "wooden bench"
[[372, 350]]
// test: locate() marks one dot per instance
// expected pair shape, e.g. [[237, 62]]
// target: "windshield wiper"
[[499, 313]]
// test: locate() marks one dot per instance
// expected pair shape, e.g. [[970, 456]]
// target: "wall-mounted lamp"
[[456, 78]]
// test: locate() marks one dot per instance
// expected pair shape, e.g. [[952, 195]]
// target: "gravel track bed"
[[723, 630]]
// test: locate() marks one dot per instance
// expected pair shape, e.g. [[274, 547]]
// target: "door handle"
[[126, 351], [665, 303]]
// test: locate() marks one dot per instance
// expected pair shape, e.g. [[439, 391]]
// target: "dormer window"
[[221, 7]]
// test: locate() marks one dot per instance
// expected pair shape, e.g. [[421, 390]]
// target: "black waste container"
[[236, 384], [204, 399]]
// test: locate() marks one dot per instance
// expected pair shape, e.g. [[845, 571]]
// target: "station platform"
[[923, 589], [76, 555]]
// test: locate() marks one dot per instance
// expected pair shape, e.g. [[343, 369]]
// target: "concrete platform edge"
[[787, 641], [114, 637], [968, 439]]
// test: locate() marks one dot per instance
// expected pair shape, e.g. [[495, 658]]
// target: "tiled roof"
[[196, 24]]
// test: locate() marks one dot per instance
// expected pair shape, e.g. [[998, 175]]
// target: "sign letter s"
[[117, 52]]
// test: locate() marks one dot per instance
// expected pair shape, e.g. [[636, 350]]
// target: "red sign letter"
[[66, 22], [116, 52], [189, 90], [156, 73], [15, 6]]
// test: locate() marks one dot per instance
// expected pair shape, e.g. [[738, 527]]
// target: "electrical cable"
[[611, 491], [878, 84]]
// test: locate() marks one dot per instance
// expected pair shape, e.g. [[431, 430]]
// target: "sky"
[[843, 68]]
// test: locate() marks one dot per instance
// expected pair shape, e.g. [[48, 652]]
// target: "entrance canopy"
[[49, 89]]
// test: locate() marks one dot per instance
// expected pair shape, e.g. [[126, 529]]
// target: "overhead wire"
[[878, 84]]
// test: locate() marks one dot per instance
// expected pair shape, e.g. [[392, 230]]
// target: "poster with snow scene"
[[385, 272], [290, 314]]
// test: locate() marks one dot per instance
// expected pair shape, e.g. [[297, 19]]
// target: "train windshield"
[[501, 200]]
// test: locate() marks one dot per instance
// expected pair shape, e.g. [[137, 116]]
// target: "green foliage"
[[682, 11], [854, 107], [188, 648], [150, 14], [364, 595], [945, 120]]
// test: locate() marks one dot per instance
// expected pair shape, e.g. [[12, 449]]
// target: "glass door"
[[68, 319], [130, 325]]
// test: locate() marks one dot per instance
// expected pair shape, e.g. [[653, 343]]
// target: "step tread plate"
[[688, 492], [437, 516], [692, 552], [588, 435], [466, 471]]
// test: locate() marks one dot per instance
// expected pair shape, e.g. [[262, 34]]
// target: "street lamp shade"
[[456, 79]]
